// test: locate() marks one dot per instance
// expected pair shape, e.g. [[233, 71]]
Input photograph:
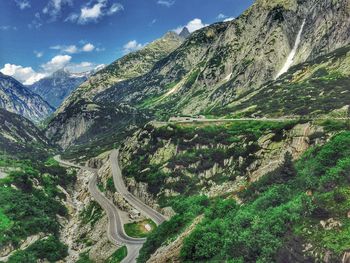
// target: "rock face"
[[14, 97], [86, 122], [185, 33], [55, 88]]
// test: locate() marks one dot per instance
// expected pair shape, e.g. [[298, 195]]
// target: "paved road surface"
[[157, 217], [115, 231]]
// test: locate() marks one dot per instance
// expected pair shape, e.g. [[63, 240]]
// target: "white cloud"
[[224, 18], [192, 26], [92, 13], [56, 63], [116, 7], [221, 16], [7, 28], [229, 19], [131, 46], [167, 3], [22, 4], [38, 54], [26, 75], [54, 7], [73, 49], [88, 47], [88, 14]]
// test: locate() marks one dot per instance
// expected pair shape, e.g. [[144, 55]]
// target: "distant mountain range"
[[56, 87], [16, 98]]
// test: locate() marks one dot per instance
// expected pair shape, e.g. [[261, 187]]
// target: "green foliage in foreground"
[[276, 209], [49, 248], [29, 201], [256, 231], [118, 256]]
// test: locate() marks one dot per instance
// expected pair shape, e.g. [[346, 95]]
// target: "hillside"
[[316, 88], [58, 86], [270, 189], [14, 97], [21, 137], [74, 119]]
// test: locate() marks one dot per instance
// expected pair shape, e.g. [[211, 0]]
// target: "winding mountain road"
[[147, 211], [115, 230]]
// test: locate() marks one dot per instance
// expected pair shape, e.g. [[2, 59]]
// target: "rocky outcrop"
[[272, 154]]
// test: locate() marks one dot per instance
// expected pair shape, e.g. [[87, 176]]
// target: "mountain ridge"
[[17, 98]]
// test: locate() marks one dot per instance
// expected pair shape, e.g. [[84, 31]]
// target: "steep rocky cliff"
[[14, 97]]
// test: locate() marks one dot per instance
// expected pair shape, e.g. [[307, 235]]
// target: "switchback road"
[[147, 211], [115, 230]]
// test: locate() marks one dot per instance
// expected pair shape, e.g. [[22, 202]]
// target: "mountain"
[[20, 137], [15, 97], [220, 63], [132, 65], [76, 115], [185, 33], [55, 88]]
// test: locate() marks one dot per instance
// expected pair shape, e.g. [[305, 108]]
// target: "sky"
[[38, 37]]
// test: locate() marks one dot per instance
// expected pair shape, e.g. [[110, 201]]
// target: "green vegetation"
[[5, 222], [279, 204], [84, 258], [138, 229], [30, 203], [110, 185], [91, 214], [187, 209], [118, 256], [286, 204], [49, 248]]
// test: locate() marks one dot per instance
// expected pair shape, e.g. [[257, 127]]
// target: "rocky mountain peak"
[[185, 32]]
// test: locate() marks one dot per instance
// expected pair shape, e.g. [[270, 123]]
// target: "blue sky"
[[39, 36]]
